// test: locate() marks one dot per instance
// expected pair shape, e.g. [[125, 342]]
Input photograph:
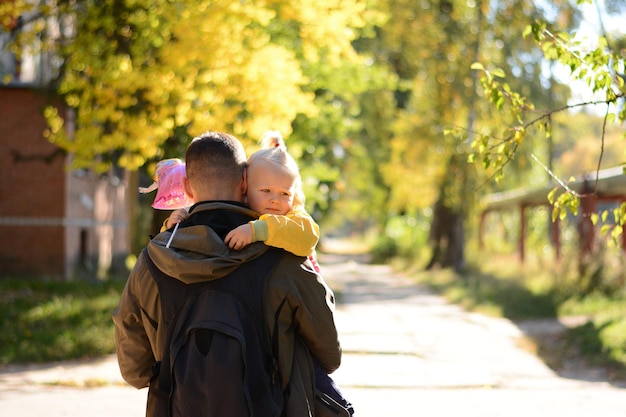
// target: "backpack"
[[218, 360]]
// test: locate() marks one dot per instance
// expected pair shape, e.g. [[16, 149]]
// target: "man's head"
[[215, 164]]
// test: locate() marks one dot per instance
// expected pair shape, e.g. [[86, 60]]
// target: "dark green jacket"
[[197, 253]]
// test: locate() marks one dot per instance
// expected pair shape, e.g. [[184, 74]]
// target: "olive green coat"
[[197, 253]]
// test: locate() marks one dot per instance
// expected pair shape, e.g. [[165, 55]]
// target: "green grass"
[[51, 321], [489, 293], [603, 338]]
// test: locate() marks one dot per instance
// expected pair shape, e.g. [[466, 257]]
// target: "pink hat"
[[168, 179]]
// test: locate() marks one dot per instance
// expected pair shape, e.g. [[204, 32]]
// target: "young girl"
[[275, 191]]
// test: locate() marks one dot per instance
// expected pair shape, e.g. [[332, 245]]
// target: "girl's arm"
[[296, 232]]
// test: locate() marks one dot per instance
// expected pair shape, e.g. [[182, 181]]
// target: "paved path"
[[409, 353], [406, 353]]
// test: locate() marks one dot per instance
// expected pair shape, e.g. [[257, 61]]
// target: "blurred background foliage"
[[382, 102]]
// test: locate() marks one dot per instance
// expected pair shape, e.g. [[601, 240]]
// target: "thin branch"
[[606, 115], [554, 176], [567, 48], [492, 176]]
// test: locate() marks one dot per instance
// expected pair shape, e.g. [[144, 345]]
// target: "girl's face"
[[270, 191]]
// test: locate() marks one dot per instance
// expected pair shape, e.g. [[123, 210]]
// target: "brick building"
[[55, 223]]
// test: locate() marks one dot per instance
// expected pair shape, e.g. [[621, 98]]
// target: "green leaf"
[[605, 229], [616, 232], [499, 73], [605, 215]]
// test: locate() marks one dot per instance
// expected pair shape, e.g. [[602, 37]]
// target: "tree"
[[141, 74], [338, 148], [143, 77], [430, 47], [599, 66], [423, 48]]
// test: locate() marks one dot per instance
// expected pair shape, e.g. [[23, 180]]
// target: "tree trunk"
[[447, 238]]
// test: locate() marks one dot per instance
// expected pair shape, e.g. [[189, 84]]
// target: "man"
[[295, 296]]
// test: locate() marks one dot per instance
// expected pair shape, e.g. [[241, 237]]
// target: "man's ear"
[[187, 188], [244, 182]]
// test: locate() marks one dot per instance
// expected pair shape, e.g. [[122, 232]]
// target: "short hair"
[[215, 158]]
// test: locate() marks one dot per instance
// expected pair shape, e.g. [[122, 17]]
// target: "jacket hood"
[[196, 252]]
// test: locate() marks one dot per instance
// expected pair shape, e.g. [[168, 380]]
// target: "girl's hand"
[[240, 237], [176, 217]]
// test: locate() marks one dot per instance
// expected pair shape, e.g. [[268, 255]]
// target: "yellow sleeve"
[[296, 231], [164, 226]]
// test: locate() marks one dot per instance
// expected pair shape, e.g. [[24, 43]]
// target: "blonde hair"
[[274, 151]]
